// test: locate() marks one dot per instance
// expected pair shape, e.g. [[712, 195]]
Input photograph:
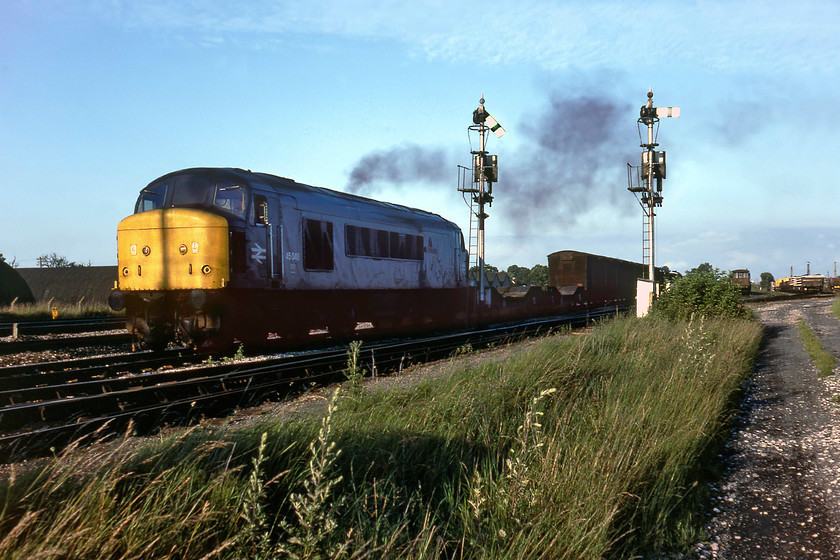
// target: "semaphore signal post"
[[485, 172], [645, 180]]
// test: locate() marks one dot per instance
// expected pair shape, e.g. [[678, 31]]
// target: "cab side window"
[[260, 210], [229, 197]]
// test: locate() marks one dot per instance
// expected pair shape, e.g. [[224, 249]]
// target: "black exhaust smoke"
[[573, 159], [400, 165]]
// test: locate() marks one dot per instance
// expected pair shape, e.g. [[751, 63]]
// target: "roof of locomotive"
[[317, 196]]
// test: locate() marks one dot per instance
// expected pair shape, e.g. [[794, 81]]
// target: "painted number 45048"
[[292, 256]]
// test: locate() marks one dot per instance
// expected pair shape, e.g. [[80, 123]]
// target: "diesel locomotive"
[[223, 254], [215, 255]]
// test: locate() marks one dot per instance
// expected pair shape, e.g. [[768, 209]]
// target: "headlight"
[[116, 300]]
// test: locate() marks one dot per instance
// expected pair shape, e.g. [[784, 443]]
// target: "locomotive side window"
[[317, 245], [406, 246], [381, 248], [229, 197], [151, 198], [365, 242]]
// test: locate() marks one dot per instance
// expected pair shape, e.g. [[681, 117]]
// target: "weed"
[[314, 508], [353, 372], [824, 361], [464, 350], [238, 355], [255, 533]]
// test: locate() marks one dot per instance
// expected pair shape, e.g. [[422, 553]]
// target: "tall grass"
[[592, 446], [42, 311]]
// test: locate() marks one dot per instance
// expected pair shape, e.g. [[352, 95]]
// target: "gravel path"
[[780, 494]]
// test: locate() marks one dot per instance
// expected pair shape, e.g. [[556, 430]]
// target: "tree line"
[[521, 275], [51, 260]]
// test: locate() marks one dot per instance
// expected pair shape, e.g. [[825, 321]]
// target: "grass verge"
[[824, 361], [42, 311], [594, 446]]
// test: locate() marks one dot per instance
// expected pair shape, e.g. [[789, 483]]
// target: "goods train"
[[215, 255], [808, 283]]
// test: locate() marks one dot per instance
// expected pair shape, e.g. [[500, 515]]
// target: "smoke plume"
[[404, 164], [575, 159]]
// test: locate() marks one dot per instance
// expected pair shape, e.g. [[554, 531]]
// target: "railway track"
[[48, 406], [65, 343], [61, 326], [62, 334]]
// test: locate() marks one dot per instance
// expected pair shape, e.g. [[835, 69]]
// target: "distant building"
[[70, 285], [491, 279], [13, 287]]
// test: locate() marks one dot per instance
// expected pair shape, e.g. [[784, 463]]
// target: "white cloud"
[[768, 37]]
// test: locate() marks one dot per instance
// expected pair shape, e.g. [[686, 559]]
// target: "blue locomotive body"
[[299, 259], [215, 255]]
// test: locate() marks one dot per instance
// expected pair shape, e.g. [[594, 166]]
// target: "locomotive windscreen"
[[151, 198], [191, 191]]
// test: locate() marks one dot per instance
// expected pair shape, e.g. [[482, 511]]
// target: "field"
[[574, 446]]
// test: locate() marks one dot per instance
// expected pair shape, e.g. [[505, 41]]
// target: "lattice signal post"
[[479, 186], [645, 180]]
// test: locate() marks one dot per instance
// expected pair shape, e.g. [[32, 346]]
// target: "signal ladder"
[[466, 186], [646, 237], [473, 241]]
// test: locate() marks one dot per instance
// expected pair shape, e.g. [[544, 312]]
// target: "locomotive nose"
[[173, 249]]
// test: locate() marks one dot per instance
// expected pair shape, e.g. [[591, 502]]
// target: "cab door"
[[267, 219]]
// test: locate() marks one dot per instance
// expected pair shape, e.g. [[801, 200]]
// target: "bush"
[[702, 292]]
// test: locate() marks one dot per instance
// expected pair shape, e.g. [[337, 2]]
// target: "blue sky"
[[99, 97]]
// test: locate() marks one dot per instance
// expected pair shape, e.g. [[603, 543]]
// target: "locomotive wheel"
[[157, 338]]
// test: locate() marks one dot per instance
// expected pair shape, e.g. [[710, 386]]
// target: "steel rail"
[[29, 376], [62, 326], [163, 395], [40, 344]]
